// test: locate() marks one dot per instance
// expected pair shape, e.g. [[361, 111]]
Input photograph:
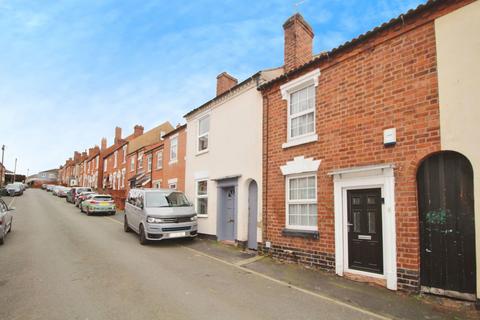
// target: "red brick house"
[[137, 161], [174, 151], [346, 135]]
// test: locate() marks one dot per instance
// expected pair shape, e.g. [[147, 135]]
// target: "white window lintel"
[[299, 83], [300, 165]]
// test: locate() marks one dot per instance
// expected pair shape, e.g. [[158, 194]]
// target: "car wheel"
[[88, 211], [112, 213], [126, 228], [141, 236], [1, 239], [11, 225]]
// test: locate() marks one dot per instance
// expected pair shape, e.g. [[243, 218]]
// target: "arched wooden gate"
[[447, 228]]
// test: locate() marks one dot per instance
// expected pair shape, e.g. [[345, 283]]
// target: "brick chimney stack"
[[225, 82], [137, 130], [76, 156], [118, 135], [103, 144], [298, 42]]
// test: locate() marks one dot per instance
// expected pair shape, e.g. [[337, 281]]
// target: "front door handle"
[[230, 221]]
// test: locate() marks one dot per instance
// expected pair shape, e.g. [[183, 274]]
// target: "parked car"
[[75, 192], [6, 220], [3, 192], [157, 214], [55, 190], [81, 197], [14, 189], [98, 203], [62, 192], [44, 186], [49, 187]]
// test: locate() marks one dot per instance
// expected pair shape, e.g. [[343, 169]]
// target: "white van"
[[157, 214]]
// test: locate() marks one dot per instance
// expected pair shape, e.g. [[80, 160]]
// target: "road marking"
[[286, 284], [240, 265], [113, 220], [11, 202], [249, 260]]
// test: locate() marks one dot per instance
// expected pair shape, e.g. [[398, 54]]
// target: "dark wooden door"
[[447, 228], [365, 245]]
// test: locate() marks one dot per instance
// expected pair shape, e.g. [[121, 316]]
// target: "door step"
[[448, 293]]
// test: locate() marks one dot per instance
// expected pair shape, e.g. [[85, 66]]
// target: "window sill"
[[202, 215], [299, 141], [173, 162], [199, 153], [306, 234]]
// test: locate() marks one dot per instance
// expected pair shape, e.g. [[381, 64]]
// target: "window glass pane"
[[202, 205], [203, 143], [356, 221], [203, 125], [202, 188], [302, 125], [302, 100], [371, 222]]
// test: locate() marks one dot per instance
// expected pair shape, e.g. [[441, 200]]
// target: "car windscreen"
[[12, 186], [102, 198], [80, 190], [165, 199]]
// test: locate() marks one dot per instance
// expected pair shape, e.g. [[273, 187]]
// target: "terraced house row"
[[363, 160]]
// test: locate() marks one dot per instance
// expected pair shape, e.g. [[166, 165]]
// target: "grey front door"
[[252, 215], [228, 216]]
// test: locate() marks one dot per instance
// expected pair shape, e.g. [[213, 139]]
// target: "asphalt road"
[[61, 264]]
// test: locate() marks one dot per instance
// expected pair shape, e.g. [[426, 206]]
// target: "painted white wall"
[[235, 148], [458, 58]]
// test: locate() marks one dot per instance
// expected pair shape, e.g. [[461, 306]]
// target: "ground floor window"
[[202, 197], [301, 202]]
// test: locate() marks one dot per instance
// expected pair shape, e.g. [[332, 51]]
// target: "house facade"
[[137, 176], [224, 160], [174, 151], [368, 152]]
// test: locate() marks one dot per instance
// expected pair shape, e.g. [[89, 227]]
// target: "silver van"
[[157, 214]]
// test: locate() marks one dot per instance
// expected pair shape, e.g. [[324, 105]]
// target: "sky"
[[71, 71]]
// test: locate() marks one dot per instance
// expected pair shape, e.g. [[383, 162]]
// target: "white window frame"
[[287, 90], [132, 164], [115, 159], [301, 201], [197, 196], [96, 161], [123, 178], [149, 162], [140, 161], [105, 164], [160, 157], [173, 182], [203, 134], [124, 153], [173, 138]]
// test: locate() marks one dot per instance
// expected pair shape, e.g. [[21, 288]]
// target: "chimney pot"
[[118, 135], [225, 82], [298, 42], [103, 144], [138, 130]]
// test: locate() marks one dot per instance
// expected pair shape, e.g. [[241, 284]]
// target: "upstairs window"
[[115, 159], [301, 115], [149, 163], [132, 164], [173, 149], [160, 159], [140, 161], [124, 153], [203, 130], [301, 108]]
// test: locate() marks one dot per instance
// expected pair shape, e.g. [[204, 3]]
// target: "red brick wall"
[[390, 81], [175, 170]]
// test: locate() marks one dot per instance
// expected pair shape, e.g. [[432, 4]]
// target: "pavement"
[[58, 263]]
